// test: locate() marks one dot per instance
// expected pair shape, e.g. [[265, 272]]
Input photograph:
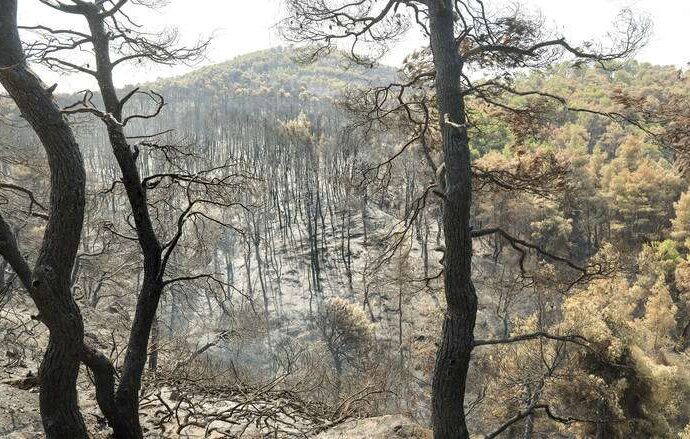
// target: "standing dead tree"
[[48, 282], [112, 38], [462, 35]]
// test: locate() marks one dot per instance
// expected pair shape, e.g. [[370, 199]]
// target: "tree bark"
[[453, 357], [124, 415], [49, 283]]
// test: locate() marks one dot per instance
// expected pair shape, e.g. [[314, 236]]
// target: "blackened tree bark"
[[126, 424], [453, 357], [49, 282]]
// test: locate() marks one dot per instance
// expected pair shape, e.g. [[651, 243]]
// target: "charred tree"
[[49, 281]]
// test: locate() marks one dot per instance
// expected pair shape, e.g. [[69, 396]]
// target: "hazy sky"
[[241, 26]]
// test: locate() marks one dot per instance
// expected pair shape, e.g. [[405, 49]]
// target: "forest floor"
[[166, 415], [19, 417]]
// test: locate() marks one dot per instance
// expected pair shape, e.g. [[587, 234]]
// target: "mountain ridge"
[[279, 72]]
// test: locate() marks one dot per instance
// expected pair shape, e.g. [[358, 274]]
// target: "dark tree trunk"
[[127, 395], [124, 418], [453, 357], [259, 265], [49, 284]]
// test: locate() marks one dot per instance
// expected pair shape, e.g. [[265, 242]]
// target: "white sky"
[[241, 26]]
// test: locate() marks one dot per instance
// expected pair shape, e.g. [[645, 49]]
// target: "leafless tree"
[[193, 195], [48, 282]]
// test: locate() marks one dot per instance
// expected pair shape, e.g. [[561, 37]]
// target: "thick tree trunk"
[[49, 284], [453, 357]]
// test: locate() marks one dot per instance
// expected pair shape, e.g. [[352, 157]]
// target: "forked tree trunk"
[[453, 357], [49, 284]]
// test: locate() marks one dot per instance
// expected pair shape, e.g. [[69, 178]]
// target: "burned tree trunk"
[[121, 407], [49, 284], [453, 357]]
